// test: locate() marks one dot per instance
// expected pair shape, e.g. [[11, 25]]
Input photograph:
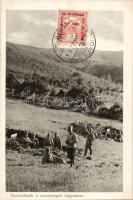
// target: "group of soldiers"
[[53, 146], [47, 142], [30, 140], [71, 141]]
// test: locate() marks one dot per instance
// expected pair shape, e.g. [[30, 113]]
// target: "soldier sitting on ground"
[[118, 137], [108, 134], [49, 157], [36, 142]]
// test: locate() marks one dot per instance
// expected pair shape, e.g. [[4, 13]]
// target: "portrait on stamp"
[[72, 27]]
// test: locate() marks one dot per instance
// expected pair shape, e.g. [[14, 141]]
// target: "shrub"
[[103, 112], [116, 112], [75, 92]]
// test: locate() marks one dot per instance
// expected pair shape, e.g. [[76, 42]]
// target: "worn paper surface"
[[107, 42]]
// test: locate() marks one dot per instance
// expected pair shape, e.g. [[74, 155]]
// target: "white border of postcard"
[[127, 7]]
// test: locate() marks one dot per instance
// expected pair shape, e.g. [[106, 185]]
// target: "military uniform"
[[88, 145], [71, 146], [57, 142]]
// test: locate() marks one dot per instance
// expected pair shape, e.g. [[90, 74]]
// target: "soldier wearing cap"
[[71, 141]]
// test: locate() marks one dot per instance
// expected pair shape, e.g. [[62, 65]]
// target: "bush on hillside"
[[103, 112], [114, 112]]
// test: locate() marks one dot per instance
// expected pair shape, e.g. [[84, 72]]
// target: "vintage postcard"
[[66, 100]]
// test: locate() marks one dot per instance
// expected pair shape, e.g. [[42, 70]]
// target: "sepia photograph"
[[64, 101]]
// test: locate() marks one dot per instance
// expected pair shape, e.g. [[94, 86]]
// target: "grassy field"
[[26, 173]]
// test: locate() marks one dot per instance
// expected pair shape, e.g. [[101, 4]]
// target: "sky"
[[36, 28]]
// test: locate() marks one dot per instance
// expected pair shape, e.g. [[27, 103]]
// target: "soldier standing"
[[48, 141], [57, 142], [89, 139], [71, 141]]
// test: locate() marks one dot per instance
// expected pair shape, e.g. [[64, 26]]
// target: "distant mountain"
[[104, 63], [24, 60]]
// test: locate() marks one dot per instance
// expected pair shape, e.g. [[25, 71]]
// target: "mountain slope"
[[25, 60]]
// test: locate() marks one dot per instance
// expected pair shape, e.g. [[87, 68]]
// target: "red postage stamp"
[[72, 27]]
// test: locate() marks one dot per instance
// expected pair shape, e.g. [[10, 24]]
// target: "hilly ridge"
[[24, 60]]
